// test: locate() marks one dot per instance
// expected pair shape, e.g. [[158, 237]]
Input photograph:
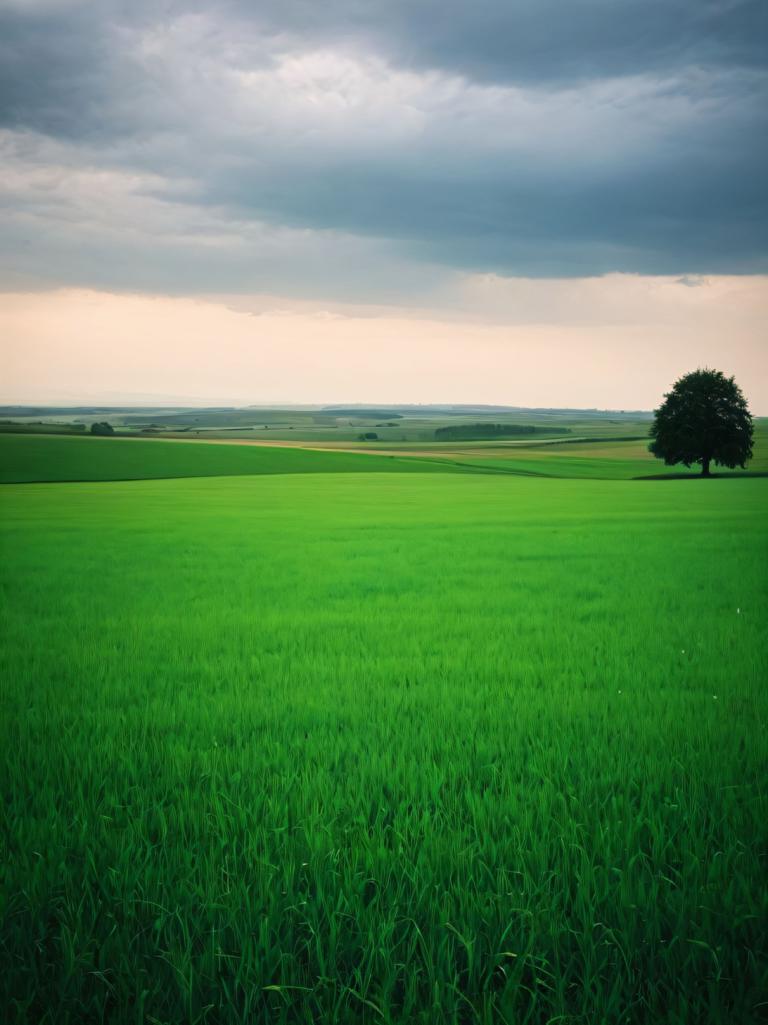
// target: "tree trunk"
[[705, 467]]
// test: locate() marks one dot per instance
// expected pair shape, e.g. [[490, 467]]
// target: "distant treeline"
[[487, 432], [13, 427]]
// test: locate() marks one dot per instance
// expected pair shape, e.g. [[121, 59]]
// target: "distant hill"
[[478, 410], [487, 432], [365, 413]]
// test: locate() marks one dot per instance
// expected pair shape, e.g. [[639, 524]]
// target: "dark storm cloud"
[[59, 60], [54, 66], [534, 40], [533, 138], [665, 212]]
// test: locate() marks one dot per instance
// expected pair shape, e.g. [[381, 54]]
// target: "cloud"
[[353, 150], [529, 41], [692, 281]]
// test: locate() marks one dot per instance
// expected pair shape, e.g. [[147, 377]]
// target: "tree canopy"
[[704, 419]]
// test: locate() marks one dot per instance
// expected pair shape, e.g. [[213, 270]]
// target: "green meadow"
[[290, 740], [603, 458], [37, 458]]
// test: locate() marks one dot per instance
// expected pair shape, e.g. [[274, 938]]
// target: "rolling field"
[[383, 748], [597, 457], [613, 459], [26, 458], [403, 426]]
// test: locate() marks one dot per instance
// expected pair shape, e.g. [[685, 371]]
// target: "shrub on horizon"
[[102, 428]]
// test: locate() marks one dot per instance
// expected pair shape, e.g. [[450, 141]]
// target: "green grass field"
[[26, 458], [603, 459], [383, 748]]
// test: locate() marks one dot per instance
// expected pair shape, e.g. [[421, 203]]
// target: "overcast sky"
[[537, 202]]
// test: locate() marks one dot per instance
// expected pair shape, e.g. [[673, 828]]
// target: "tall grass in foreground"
[[350, 749]]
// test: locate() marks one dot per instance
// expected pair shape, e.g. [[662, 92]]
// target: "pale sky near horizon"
[[525, 203]]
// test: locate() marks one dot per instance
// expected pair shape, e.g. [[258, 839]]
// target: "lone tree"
[[704, 419]]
